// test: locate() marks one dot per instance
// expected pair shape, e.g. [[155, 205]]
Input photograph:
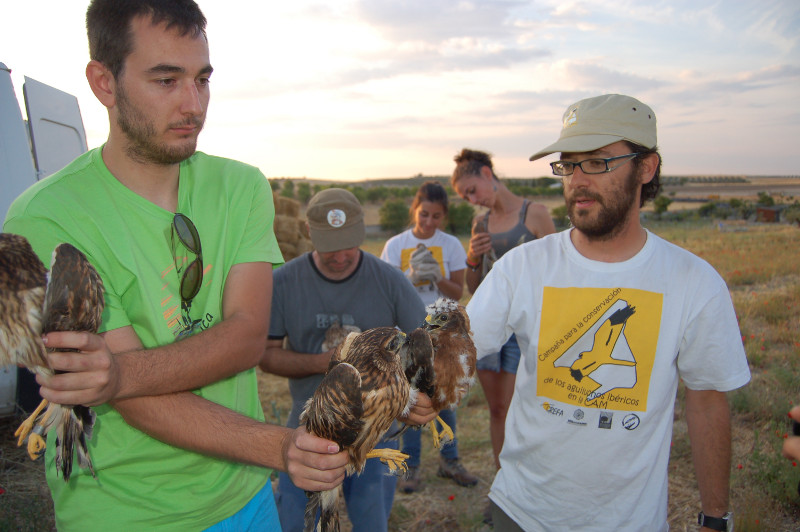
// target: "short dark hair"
[[470, 162], [108, 26], [649, 190], [432, 191]]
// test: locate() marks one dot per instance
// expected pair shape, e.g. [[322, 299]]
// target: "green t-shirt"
[[142, 483]]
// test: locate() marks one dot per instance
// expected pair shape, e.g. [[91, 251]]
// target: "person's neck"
[[154, 182], [505, 201], [619, 246]]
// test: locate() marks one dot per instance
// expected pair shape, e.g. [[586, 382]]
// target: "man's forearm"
[[191, 363], [709, 423], [190, 422], [293, 365]]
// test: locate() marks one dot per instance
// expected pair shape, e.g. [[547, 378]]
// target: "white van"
[[52, 136]]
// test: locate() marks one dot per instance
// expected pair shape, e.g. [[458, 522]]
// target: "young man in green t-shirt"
[[185, 246]]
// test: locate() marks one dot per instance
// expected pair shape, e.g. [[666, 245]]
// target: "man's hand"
[[91, 375], [421, 413], [313, 464]]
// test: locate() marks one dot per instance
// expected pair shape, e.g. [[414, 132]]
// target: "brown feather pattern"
[[363, 392], [32, 303]]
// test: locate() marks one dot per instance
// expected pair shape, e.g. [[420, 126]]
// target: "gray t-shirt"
[[305, 304]]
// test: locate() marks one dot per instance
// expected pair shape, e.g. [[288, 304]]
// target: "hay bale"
[[286, 229], [290, 229], [286, 206]]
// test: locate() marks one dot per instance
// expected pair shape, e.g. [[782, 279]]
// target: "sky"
[[365, 89]]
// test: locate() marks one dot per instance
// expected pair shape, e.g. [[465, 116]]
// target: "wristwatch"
[[723, 524]]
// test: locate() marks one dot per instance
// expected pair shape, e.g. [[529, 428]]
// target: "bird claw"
[[23, 430], [444, 436], [392, 458], [36, 444], [27, 425]]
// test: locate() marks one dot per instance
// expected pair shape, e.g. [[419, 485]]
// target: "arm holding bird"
[[117, 366]]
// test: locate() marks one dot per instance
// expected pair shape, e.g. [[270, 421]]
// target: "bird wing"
[[73, 302], [23, 278], [74, 297], [335, 410]]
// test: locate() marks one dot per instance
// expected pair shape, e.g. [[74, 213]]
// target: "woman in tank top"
[[509, 222]]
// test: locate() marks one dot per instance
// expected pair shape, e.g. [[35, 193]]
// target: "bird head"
[[445, 313]]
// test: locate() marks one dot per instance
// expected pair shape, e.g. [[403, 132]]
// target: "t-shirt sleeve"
[[456, 256], [488, 312], [259, 243], [711, 354], [391, 252]]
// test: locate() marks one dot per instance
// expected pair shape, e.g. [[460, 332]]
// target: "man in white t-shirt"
[[609, 317]]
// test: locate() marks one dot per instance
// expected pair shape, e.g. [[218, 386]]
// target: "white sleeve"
[[711, 355], [488, 312]]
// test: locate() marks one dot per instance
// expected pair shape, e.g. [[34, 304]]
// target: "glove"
[[429, 272], [423, 266]]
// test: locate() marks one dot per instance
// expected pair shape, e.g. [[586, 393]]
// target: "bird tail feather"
[[73, 435], [329, 511]]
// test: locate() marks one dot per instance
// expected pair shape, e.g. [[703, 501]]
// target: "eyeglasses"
[[183, 230], [590, 166]]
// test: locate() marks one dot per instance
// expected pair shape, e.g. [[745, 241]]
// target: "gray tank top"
[[519, 234]]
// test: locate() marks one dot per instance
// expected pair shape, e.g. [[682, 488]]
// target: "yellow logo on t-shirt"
[[597, 346]]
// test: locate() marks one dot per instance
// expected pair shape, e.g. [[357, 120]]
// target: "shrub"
[[394, 216], [460, 218]]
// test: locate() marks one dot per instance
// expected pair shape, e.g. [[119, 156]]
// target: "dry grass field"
[[759, 263]]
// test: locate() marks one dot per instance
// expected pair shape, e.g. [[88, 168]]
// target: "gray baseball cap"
[[595, 122]]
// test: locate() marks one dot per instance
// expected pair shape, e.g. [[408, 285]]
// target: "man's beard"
[[142, 133], [614, 211]]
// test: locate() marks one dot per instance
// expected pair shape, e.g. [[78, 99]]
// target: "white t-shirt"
[[446, 249], [603, 345]]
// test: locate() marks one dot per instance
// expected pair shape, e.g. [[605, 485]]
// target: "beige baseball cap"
[[595, 122], [335, 220]]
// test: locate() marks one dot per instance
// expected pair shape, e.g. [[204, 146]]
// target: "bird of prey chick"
[[363, 392], [32, 303], [453, 360]]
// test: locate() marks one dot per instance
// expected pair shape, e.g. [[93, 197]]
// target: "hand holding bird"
[[364, 391]]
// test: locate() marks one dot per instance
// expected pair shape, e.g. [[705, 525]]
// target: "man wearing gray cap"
[[608, 317], [336, 286]]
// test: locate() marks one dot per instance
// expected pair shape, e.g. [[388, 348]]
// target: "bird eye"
[[444, 317]]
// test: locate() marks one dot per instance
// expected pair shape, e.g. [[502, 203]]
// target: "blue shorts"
[[258, 514], [507, 359]]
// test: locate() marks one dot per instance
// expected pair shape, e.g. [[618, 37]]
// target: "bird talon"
[[26, 426], [392, 458], [36, 444], [443, 436]]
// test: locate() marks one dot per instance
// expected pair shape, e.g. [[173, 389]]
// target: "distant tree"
[[707, 210], [792, 214], [393, 216], [377, 193], [765, 199], [303, 192], [660, 204], [359, 193], [459, 217], [288, 189], [274, 184], [559, 215]]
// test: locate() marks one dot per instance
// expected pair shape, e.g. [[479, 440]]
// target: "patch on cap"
[[571, 118], [336, 218]]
